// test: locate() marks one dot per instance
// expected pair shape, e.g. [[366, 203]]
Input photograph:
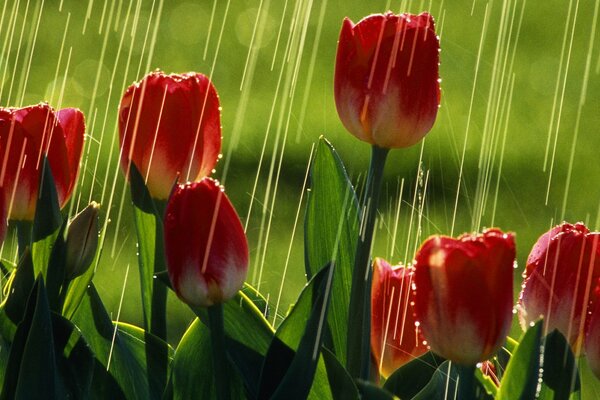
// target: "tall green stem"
[[24, 235], [158, 316], [359, 316], [159, 290], [219, 355], [466, 382]]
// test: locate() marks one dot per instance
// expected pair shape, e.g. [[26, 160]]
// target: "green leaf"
[[330, 235], [148, 216], [77, 290], [413, 376], [590, 384], [487, 383], [520, 379], [257, 298], [291, 331], [46, 223], [56, 269], [4, 353], [21, 286], [191, 375], [453, 381], [146, 226], [560, 370], [74, 357], [47, 217], [32, 369], [287, 374], [370, 391], [248, 336], [340, 382], [244, 323], [134, 374]]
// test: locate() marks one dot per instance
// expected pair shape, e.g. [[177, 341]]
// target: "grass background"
[[526, 72]]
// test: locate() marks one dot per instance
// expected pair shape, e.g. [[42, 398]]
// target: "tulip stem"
[[159, 290], [24, 235], [466, 382], [219, 355], [359, 316], [158, 313]]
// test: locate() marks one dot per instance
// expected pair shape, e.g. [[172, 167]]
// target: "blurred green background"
[[515, 144]]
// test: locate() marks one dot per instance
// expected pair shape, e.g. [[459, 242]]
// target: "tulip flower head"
[[170, 129], [387, 87], [560, 275], [26, 136], [205, 244], [464, 294], [592, 338], [395, 339]]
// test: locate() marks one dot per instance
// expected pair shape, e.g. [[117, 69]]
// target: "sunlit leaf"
[[521, 377], [191, 375], [331, 231]]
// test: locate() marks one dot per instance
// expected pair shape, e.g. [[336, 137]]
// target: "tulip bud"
[[559, 277], [26, 134], [395, 339], [82, 241], [170, 129], [464, 294], [205, 244], [387, 88]]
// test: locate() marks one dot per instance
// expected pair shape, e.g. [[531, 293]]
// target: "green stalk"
[[159, 290], [219, 355], [24, 235], [466, 382], [359, 315], [158, 321]]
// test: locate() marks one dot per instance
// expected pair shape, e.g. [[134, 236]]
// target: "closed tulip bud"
[[561, 271], [170, 129], [26, 136], [205, 244], [395, 339], [387, 88], [464, 294], [82, 241]]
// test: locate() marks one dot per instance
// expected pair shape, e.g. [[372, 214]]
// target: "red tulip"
[[3, 216], [464, 294], [26, 135], [592, 339], [205, 245], [170, 128], [394, 336], [387, 88], [561, 271]]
